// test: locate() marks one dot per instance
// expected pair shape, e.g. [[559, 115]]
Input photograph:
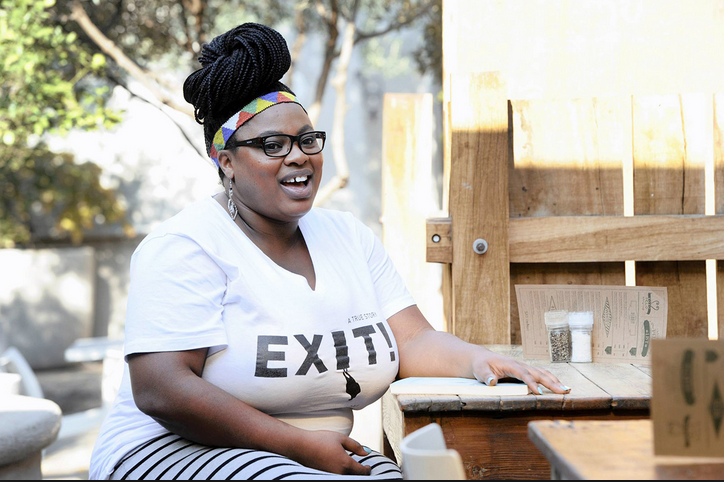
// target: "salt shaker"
[[581, 326], [559, 340]]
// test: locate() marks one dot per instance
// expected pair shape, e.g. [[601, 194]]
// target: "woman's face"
[[262, 183]]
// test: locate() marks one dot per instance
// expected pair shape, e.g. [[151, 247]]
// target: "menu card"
[[687, 405], [625, 318]]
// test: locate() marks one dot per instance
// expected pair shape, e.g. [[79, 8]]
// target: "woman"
[[255, 323]]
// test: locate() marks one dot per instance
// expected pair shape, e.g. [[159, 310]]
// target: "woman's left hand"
[[489, 367]]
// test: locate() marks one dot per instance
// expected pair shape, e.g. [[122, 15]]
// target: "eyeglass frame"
[[259, 142]]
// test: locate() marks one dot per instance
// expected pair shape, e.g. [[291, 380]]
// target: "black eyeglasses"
[[280, 145]]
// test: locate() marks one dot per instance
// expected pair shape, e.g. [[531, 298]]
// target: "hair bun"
[[237, 66]]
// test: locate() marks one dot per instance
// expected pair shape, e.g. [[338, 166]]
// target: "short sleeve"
[[175, 299], [390, 288]]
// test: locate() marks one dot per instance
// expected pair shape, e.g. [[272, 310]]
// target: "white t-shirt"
[[308, 357]]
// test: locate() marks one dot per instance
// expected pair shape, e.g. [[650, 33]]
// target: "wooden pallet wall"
[[671, 140], [568, 159], [608, 101], [718, 113]]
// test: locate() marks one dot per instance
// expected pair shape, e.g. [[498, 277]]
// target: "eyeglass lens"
[[281, 145]]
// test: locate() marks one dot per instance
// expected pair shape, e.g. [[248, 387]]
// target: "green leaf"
[[8, 138], [99, 60]]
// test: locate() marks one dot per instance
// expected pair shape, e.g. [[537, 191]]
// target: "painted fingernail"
[[540, 390], [565, 388], [489, 380], [367, 449]]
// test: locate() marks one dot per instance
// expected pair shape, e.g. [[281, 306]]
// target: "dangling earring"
[[231, 206]]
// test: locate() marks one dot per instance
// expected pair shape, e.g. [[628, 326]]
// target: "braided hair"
[[238, 66]]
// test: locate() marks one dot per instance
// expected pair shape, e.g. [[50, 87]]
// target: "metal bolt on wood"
[[435, 238], [480, 246]]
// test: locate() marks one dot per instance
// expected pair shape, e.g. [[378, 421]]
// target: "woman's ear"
[[225, 164]]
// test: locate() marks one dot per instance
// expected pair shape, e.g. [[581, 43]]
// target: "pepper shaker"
[[559, 340]]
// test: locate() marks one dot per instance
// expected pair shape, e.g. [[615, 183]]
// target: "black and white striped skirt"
[[170, 457]]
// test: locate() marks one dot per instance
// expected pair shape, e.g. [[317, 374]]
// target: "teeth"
[[297, 179]]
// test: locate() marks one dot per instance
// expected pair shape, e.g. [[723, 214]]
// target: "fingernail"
[[367, 449], [565, 388], [489, 380], [540, 390]]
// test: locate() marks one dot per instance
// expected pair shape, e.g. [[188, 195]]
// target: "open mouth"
[[298, 187], [299, 181]]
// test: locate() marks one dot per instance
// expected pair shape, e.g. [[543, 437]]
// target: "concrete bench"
[[27, 426]]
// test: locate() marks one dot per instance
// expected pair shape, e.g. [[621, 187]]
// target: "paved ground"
[[75, 389]]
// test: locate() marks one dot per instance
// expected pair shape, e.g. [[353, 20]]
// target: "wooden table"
[[614, 450], [491, 433]]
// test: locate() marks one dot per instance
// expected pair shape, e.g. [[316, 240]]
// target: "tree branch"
[[322, 10], [187, 32], [79, 15], [329, 55], [362, 36], [197, 9], [120, 83], [340, 112], [299, 42]]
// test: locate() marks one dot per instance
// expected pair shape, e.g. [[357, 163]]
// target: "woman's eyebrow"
[[302, 129], [305, 128]]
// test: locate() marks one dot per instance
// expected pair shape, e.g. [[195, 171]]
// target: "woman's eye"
[[272, 146], [308, 141]]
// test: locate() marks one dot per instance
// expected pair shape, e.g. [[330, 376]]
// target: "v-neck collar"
[[305, 235]]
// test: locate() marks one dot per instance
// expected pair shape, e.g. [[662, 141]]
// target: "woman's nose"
[[296, 155]]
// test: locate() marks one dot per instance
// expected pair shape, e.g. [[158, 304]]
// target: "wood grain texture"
[[669, 178], [579, 144], [575, 239], [479, 207], [669, 154], [594, 386], [656, 48], [496, 446], [718, 108], [628, 386], [584, 394], [718, 114], [685, 282], [567, 161], [614, 450], [447, 298], [491, 432], [720, 298], [646, 370], [616, 238], [439, 240]]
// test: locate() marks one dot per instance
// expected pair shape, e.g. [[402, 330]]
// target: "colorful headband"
[[250, 110]]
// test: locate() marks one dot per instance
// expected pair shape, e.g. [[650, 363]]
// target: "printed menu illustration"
[[687, 404], [625, 318]]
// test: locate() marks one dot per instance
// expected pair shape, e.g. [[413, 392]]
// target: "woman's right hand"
[[327, 451]]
